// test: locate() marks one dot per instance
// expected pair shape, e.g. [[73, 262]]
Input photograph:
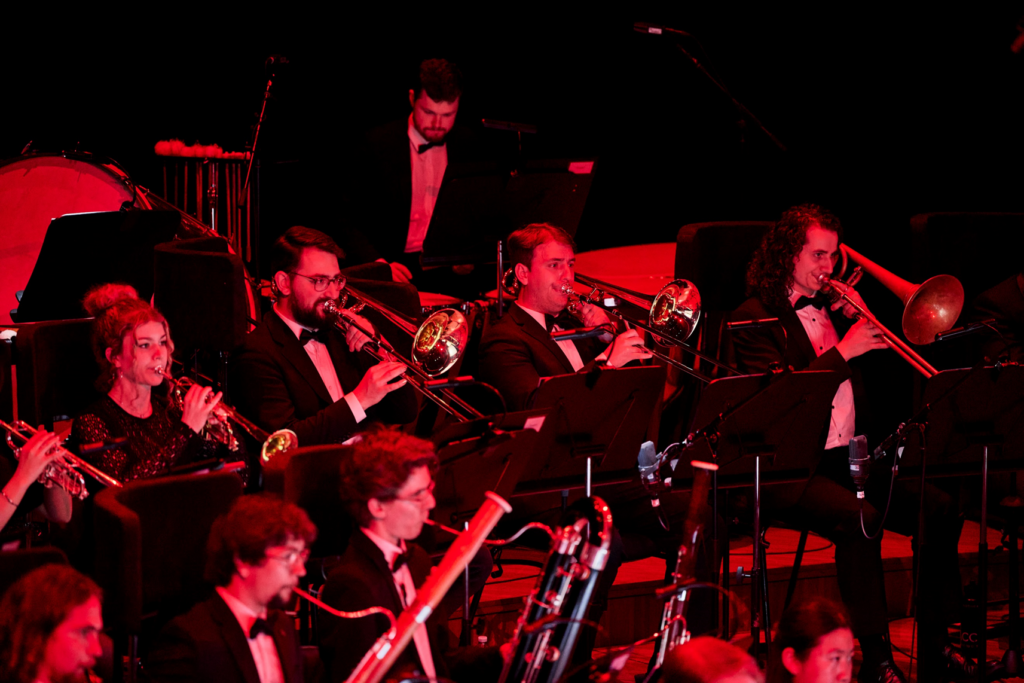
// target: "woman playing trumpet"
[[132, 344]]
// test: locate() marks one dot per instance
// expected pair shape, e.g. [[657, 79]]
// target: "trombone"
[[930, 308], [273, 443], [65, 471], [437, 345]]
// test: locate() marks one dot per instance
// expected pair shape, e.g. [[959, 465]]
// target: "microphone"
[[579, 333], [860, 463], [965, 330], [755, 323], [656, 29], [647, 462]]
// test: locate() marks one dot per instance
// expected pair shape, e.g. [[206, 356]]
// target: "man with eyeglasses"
[[256, 554], [297, 370], [387, 485]]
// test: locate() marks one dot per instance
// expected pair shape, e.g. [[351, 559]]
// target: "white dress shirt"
[[407, 592], [427, 173], [823, 336], [264, 651], [321, 358], [567, 346]]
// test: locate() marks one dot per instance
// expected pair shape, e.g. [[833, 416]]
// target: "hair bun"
[[101, 297]]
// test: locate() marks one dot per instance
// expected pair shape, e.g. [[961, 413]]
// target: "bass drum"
[[36, 188]]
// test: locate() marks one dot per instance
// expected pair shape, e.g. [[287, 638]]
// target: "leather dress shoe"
[[886, 672]]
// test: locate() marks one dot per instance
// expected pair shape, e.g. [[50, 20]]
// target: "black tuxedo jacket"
[[752, 351], [276, 385], [363, 579], [378, 196], [516, 352], [207, 644]]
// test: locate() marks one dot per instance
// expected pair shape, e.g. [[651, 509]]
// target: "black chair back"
[[200, 289], [312, 481], [56, 370], [17, 563], [151, 542]]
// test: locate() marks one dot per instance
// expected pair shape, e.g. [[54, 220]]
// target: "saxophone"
[[550, 623]]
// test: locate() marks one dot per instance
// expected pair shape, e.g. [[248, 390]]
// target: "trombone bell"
[[440, 340], [675, 311], [932, 308], [280, 441]]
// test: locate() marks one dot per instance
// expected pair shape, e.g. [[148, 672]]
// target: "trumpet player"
[[783, 281], [20, 492], [132, 345], [298, 371]]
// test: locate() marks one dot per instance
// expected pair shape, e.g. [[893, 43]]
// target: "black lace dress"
[[155, 444]]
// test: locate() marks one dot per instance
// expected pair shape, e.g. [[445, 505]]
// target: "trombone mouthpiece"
[[331, 306]]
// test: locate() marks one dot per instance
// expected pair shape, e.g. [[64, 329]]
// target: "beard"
[[312, 317]]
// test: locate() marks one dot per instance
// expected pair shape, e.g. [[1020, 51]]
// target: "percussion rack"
[[208, 190]]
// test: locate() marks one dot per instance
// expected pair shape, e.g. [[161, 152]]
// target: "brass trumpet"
[[929, 308], [437, 345], [65, 471], [219, 426]]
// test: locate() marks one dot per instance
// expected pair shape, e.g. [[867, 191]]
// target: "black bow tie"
[[319, 335], [260, 626], [399, 561], [819, 301], [564, 320], [427, 145]]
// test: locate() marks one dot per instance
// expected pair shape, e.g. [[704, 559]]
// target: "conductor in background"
[[784, 282], [298, 371], [255, 555]]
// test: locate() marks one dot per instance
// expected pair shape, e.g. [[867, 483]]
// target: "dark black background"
[[886, 112]]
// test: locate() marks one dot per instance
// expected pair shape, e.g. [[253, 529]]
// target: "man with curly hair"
[[784, 281], [387, 485], [255, 555]]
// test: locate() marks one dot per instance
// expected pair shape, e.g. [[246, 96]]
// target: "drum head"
[[33, 191]]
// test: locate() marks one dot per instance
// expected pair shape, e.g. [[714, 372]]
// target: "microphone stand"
[[272, 63], [736, 103]]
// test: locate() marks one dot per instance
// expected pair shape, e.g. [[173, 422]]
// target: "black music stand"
[[481, 455], [971, 416], [480, 203], [84, 249], [599, 418], [756, 421]]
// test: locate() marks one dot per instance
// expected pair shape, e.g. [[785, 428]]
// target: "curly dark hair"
[[379, 465], [441, 79], [253, 524], [770, 275], [31, 610]]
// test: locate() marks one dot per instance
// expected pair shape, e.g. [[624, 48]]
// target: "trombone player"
[[784, 281], [297, 371]]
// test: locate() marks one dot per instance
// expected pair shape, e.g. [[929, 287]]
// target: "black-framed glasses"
[[290, 556], [320, 284]]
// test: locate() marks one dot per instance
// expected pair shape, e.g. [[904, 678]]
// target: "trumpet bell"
[[675, 311], [280, 441], [933, 308], [440, 341]]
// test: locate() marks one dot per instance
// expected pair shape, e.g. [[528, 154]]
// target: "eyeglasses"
[[420, 497], [289, 557], [322, 283]]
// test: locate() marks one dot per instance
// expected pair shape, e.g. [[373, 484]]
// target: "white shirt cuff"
[[357, 410]]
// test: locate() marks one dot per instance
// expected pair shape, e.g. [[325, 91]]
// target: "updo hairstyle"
[[119, 312]]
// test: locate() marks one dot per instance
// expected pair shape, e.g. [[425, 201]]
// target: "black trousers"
[[828, 506]]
